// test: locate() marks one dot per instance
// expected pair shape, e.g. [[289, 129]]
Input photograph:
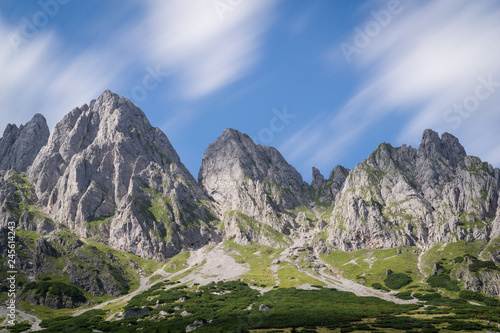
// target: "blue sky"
[[323, 81]]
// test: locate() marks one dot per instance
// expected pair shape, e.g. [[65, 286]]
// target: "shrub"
[[378, 286], [56, 288], [471, 296], [406, 295], [465, 326], [397, 280], [477, 265], [490, 301], [459, 260], [20, 327], [443, 281], [401, 323]]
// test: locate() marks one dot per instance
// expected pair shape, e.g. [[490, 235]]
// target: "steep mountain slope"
[[20, 145], [407, 196], [106, 172], [254, 187]]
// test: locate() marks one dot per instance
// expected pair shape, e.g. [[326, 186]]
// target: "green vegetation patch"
[[443, 281], [290, 277], [259, 258], [372, 265], [57, 289], [325, 307], [86, 322], [177, 262], [397, 280], [450, 250]]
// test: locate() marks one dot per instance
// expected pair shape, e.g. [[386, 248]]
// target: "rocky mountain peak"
[[235, 154], [250, 182], [338, 176], [20, 145], [317, 178], [447, 147], [105, 162]]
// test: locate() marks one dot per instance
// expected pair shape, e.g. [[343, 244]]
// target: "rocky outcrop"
[[484, 280], [324, 191], [20, 145], [252, 184], [58, 301], [135, 312], [107, 172], [407, 196], [18, 204]]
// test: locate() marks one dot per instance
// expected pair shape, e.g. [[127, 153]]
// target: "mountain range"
[[105, 176]]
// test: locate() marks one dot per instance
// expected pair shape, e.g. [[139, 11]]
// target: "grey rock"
[[253, 185], [264, 308], [51, 301], [164, 313], [485, 280], [436, 268], [107, 172], [405, 196], [318, 179], [326, 191], [135, 312], [196, 324], [20, 145]]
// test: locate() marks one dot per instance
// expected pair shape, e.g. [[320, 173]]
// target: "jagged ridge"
[[107, 174]]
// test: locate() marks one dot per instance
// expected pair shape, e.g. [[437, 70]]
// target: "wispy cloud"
[[431, 56], [39, 78], [202, 47], [208, 47]]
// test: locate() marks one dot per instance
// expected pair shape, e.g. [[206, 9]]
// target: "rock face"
[[483, 280], [416, 197], [107, 172], [325, 191], [253, 185], [20, 145], [135, 312]]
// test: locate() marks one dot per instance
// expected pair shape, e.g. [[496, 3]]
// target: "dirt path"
[[21, 316], [419, 264], [343, 284]]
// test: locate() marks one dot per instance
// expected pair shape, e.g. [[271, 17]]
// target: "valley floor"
[[289, 280]]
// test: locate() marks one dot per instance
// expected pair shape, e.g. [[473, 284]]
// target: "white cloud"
[[208, 47], [39, 78], [188, 39], [431, 56]]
